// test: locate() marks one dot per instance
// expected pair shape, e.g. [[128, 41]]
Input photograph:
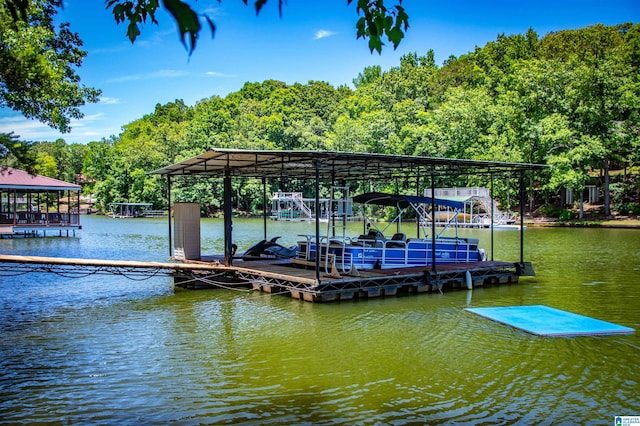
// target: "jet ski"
[[270, 250]]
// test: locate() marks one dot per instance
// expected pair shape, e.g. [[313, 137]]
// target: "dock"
[[283, 277], [33, 231], [279, 277], [314, 281], [37, 206]]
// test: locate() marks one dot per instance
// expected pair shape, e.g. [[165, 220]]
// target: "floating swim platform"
[[549, 322]]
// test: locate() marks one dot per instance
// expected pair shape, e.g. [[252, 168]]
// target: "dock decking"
[[279, 276]]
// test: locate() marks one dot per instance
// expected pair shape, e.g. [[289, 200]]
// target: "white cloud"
[[82, 131], [109, 101], [150, 75], [219, 74], [91, 117], [20, 126], [323, 34]]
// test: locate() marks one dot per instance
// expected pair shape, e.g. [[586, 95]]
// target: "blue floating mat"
[[545, 321]]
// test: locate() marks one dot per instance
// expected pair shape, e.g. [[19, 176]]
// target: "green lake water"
[[105, 349]]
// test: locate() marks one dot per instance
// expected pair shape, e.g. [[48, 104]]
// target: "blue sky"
[[313, 40]]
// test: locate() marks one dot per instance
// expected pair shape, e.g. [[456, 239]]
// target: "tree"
[[375, 23], [17, 154], [37, 66], [603, 95]]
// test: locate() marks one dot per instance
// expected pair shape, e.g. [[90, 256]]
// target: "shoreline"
[[623, 223]]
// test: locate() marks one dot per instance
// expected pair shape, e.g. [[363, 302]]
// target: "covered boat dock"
[[338, 168], [34, 205], [128, 210]]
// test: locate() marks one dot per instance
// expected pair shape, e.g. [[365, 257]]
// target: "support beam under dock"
[[283, 278]]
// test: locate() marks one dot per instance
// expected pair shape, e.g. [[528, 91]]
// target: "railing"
[[155, 213], [40, 219]]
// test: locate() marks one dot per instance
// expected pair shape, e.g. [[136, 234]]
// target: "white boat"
[[374, 250]]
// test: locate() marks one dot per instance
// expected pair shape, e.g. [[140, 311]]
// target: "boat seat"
[[373, 238], [372, 235], [398, 239], [399, 236]]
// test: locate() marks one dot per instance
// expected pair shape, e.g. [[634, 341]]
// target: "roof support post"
[[15, 207], [317, 164], [169, 215], [30, 212], [417, 195], [522, 200], [264, 206], [492, 211], [330, 215], [433, 219], [398, 223], [227, 213]]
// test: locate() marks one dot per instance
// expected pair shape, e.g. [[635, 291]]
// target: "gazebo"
[[33, 204]]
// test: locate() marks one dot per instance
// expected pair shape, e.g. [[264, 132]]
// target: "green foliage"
[[566, 215], [377, 21], [568, 99], [38, 62], [626, 190], [630, 208], [15, 153]]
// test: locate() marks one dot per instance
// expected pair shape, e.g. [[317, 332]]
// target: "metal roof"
[[11, 178], [330, 164]]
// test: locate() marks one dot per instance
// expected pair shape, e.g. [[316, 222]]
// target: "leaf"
[[212, 26], [258, 5], [401, 17], [375, 44], [395, 35], [187, 21], [133, 31], [361, 27], [18, 9], [118, 13]]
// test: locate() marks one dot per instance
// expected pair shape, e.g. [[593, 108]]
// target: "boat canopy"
[[403, 201]]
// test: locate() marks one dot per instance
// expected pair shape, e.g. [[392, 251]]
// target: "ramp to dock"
[[549, 322], [72, 267]]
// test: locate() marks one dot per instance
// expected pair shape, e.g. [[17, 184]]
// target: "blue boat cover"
[[545, 321], [403, 201]]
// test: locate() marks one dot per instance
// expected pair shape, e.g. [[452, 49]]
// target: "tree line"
[[570, 99]]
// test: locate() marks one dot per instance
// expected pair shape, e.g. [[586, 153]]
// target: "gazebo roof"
[[330, 164], [11, 178]]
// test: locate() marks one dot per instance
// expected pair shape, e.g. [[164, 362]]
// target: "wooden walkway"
[[277, 276]]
